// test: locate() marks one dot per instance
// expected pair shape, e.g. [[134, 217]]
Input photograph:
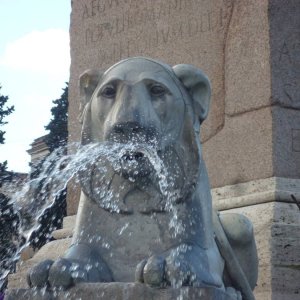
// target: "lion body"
[[142, 216], [170, 123]]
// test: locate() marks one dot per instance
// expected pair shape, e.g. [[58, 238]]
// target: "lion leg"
[[182, 265], [239, 232]]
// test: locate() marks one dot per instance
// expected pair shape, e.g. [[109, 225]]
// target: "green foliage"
[[4, 112], [7, 219], [4, 174], [58, 125]]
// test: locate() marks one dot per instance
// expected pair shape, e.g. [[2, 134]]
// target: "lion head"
[[143, 111]]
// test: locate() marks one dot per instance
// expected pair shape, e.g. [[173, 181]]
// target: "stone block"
[[277, 234], [62, 233], [72, 197], [276, 219], [274, 189], [120, 291], [69, 222], [52, 250], [248, 48], [250, 52], [286, 141], [247, 58], [176, 31], [284, 23], [67, 230], [27, 253], [243, 149], [104, 32]]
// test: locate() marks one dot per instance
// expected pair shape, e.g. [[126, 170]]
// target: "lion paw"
[[66, 273], [151, 271], [38, 275], [177, 267]]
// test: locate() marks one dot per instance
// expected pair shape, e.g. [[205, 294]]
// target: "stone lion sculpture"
[[140, 231]]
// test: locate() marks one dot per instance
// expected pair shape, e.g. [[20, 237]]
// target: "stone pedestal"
[[120, 291], [276, 219]]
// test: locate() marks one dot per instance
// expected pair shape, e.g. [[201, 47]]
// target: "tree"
[[9, 223], [58, 125], [4, 112], [8, 220]]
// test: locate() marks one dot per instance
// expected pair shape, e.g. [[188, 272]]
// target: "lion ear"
[[198, 86], [88, 82]]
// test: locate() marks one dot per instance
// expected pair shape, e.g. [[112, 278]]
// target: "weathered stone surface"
[[268, 204], [261, 70], [72, 198], [248, 48], [27, 253], [104, 32], [121, 291], [286, 141], [67, 230], [256, 192], [277, 235], [194, 32], [68, 222], [52, 250], [247, 55], [284, 23], [62, 233], [243, 149]]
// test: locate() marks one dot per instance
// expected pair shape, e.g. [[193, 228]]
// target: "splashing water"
[[40, 193]]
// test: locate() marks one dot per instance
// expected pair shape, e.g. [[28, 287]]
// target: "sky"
[[34, 67]]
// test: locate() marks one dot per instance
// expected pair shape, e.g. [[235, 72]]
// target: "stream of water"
[[38, 194]]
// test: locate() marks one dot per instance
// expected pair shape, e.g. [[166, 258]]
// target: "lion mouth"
[[131, 156], [135, 164]]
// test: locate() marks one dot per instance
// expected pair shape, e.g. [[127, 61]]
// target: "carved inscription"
[[141, 20], [98, 7], [157, 8], [187, 31], [290, 51], [296, 140], [161, 8], [207, 22], [288, 64]]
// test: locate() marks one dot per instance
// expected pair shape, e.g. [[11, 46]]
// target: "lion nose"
[[134, 132], [128, 128]]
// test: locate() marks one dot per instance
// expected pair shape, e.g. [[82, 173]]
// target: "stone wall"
[[276, 219], [248, 48], [176, 31]]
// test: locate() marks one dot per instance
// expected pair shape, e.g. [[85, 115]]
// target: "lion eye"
[[157, 90], [109, 91]]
